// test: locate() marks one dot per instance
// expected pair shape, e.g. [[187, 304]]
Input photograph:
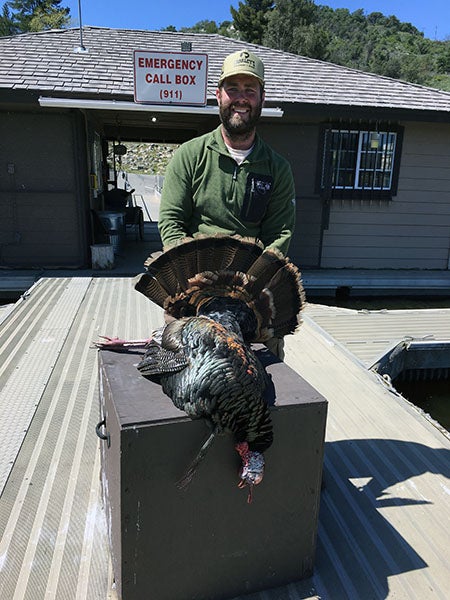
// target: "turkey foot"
[[116, 343]]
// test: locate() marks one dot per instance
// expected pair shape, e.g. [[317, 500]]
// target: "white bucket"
[[102, 256]]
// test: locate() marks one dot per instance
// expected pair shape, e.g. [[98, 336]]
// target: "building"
[[370, 155]]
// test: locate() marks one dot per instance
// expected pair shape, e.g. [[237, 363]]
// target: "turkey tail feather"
[[151, 288], [288, 299], [263, 269]]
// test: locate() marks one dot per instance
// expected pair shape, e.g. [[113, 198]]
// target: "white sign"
[[170, 77]]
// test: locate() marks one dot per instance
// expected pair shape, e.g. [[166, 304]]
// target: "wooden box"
[[206, 542]]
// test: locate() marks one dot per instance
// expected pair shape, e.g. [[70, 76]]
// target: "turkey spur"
[[220, 294]]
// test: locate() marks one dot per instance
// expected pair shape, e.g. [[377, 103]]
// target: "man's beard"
[[236, 127]]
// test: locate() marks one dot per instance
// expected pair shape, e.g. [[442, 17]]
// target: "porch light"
[[374, 140]]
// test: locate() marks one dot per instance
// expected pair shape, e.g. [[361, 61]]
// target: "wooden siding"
[[297, 142], [41, 209], [412, 230]]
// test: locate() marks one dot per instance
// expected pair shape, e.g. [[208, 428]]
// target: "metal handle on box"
[[101, 435]]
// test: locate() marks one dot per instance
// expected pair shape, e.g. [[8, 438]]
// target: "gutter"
[[117, 105]]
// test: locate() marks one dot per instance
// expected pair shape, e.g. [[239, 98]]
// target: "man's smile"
[[240, 111]]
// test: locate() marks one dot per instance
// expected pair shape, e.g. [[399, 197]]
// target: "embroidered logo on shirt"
[[258, 191]]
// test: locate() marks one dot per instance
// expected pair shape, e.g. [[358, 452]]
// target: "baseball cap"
[[242, 62]]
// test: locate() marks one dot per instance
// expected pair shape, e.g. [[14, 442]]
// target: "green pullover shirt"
[[205, 192]]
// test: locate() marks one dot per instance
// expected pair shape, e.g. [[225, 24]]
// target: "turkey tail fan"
[[221, 252], [179, 262], [148, 261], [173, 268], [214, 253], [209, 255], [218, 284], [263, 269], [204, 287], [196, 269], [247, 251], [288, 298], [191, 256], [149, 286], [190, 472]]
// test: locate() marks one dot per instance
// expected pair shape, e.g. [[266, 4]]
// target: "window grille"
[[360, 163]]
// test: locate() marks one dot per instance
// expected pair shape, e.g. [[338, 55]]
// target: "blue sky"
[[432, 17]]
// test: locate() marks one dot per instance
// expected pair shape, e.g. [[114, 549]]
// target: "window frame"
[[354, 190]]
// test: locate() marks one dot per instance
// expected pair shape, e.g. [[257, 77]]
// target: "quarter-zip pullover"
[[205, 191]]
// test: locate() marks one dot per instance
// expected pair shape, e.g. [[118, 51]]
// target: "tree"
[[384, 45], [204, 26], [292, 26], [311, 40], [48, 16], [36, 15], [6, 22], [250, 19], [443, 57], [227, 29]]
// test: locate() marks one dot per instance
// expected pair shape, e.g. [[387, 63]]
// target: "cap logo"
[[244, 59]]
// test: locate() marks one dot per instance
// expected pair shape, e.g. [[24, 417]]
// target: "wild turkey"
[[222, 293]]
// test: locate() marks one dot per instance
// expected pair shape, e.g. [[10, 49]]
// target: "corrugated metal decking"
[[384, 519], [53, 542], [27, 382], [385, 509], [370, 334]]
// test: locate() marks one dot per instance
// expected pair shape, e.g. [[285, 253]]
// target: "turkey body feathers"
[[209, 372]]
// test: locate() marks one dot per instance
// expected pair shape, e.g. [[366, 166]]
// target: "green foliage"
[[49, 16], [20, 16], [293, 27], [6, 22], [373, 43], [202, 27], [383, 45], [226, 28], [443, 57], [442, 82], [251, 19]]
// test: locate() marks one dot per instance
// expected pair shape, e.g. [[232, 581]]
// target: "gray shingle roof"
[[46, 62]]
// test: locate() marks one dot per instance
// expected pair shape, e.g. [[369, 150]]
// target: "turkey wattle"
[[222, 292]]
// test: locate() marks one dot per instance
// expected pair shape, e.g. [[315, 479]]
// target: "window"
[[359, 162]]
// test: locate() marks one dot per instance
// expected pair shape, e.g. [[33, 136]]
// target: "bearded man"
[[229, 180]]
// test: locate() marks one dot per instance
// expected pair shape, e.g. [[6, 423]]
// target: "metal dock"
[[385, 509]]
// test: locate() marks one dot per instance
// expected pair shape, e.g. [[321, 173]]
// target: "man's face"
[[240, 100]]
